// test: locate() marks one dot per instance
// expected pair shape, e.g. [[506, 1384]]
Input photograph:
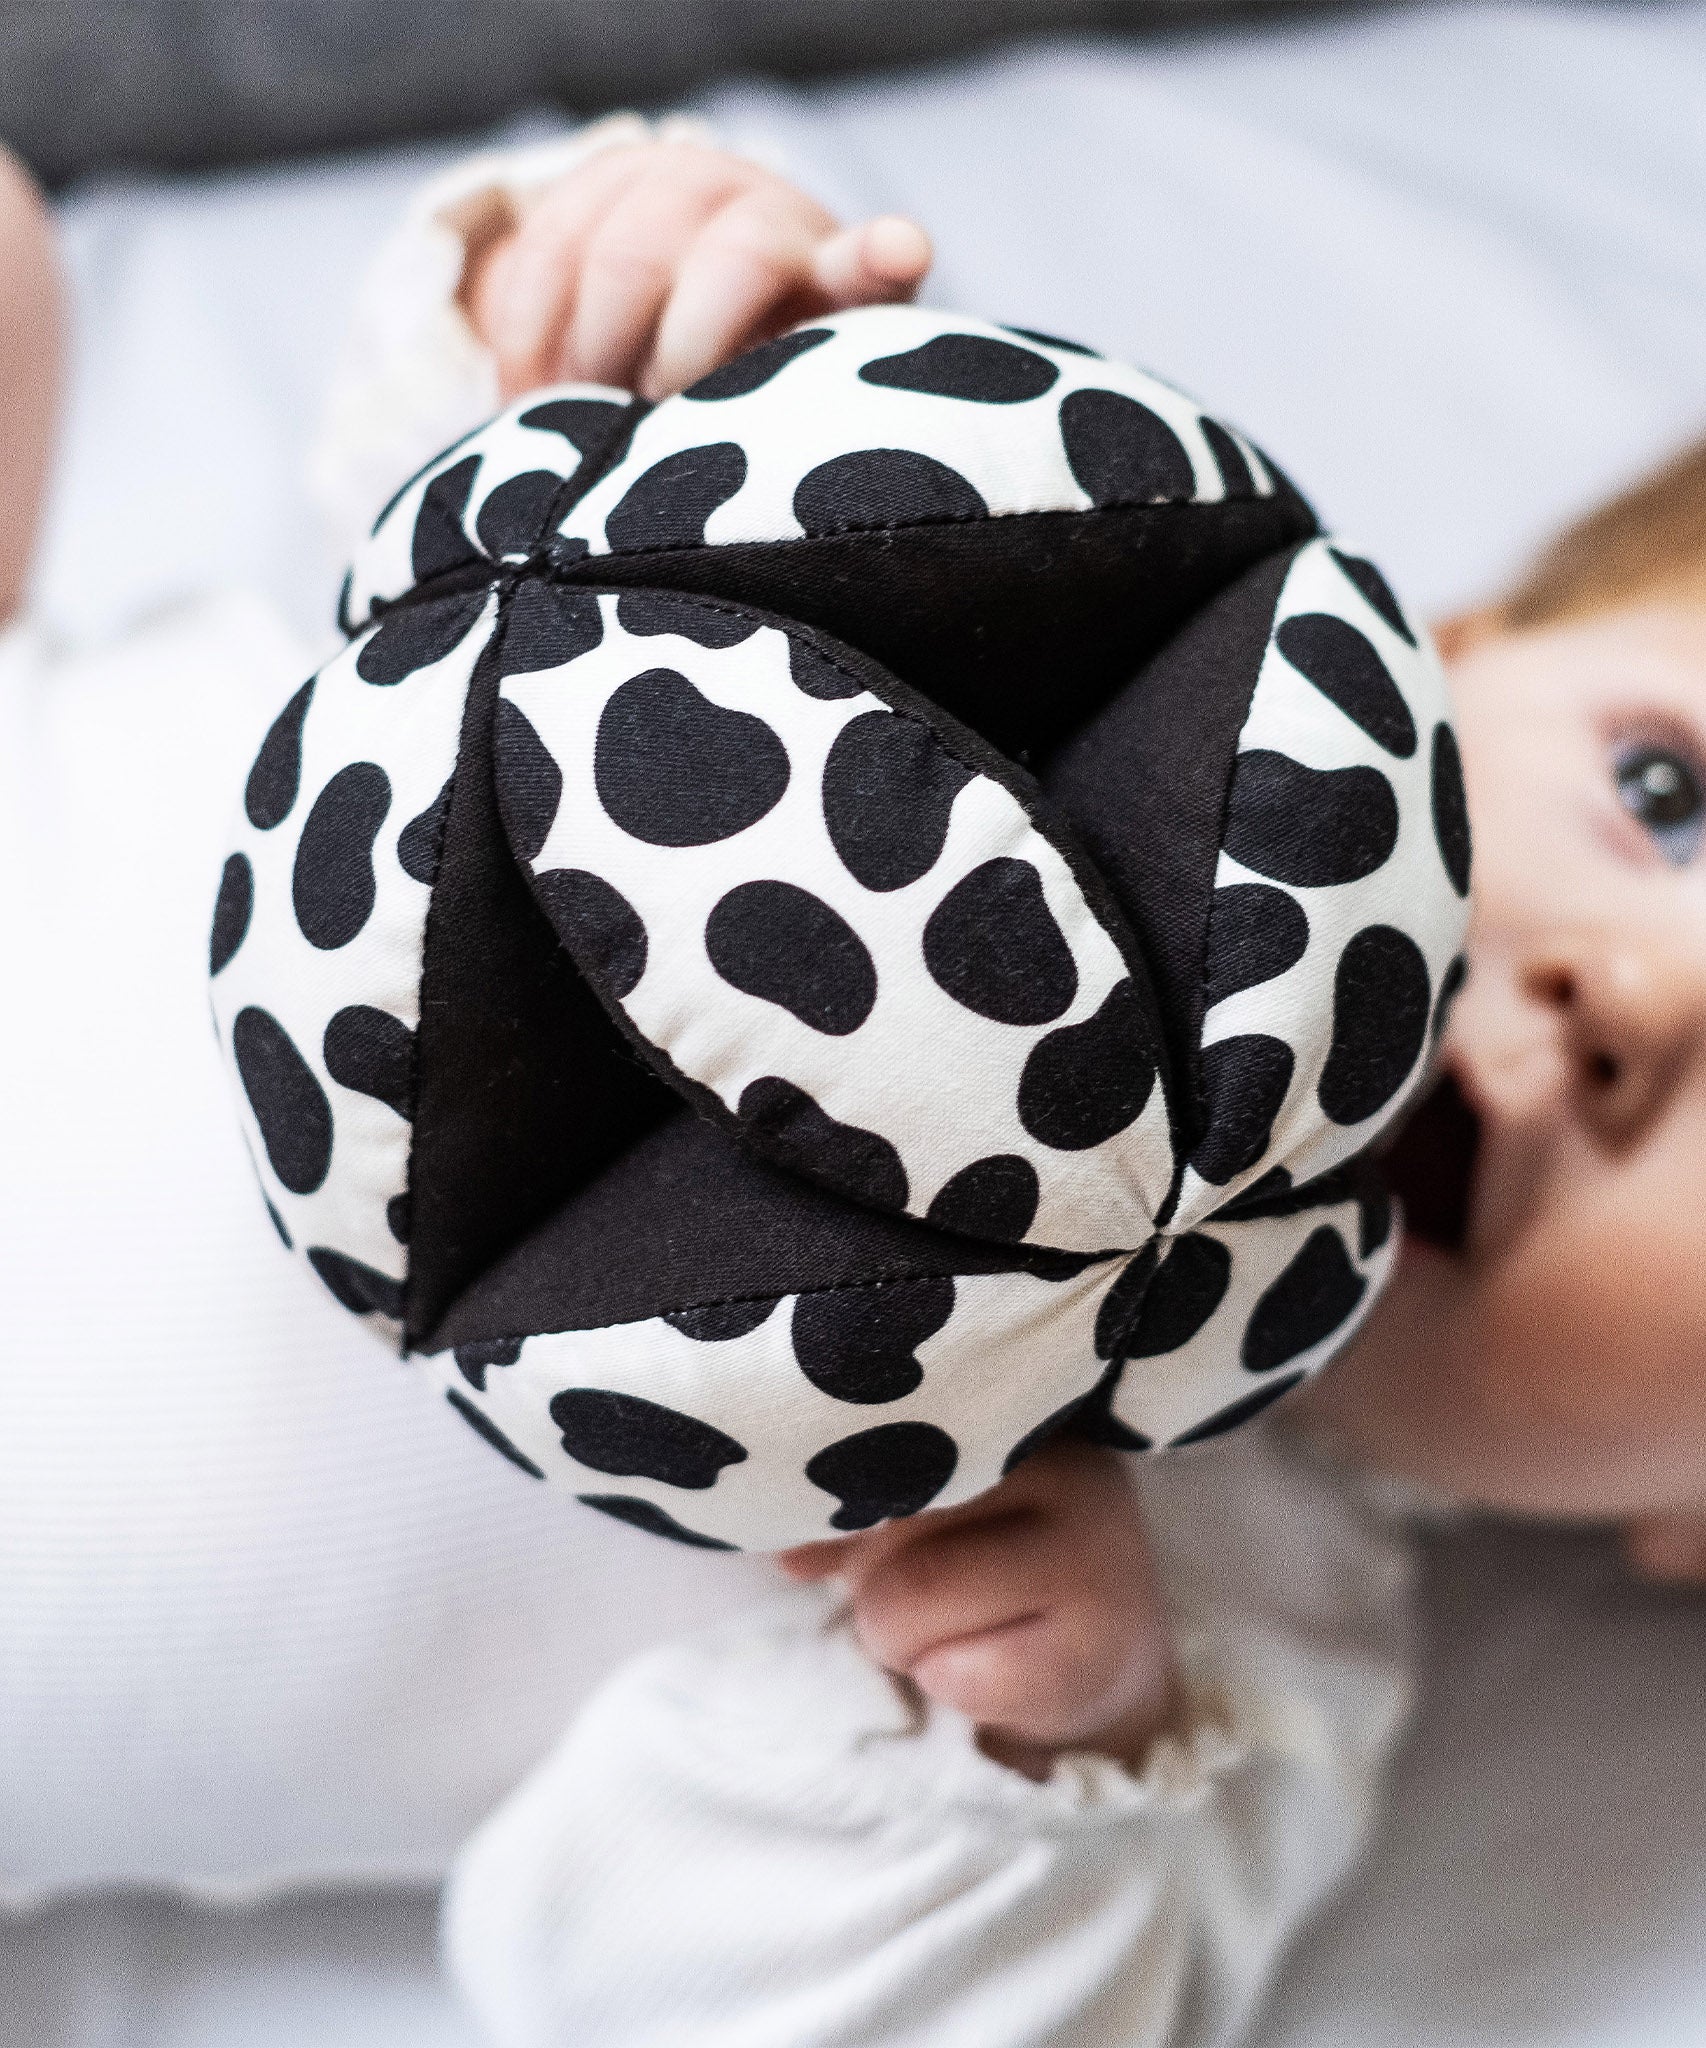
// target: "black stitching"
[[899, 1279]]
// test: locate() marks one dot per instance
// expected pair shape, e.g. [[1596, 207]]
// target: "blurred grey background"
[[88, 85]]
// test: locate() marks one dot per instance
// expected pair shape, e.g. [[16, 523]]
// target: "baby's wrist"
[[1130, 1736]]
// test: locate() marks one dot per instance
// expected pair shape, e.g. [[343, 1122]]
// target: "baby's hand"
[[651, 263], [1033, 1609]]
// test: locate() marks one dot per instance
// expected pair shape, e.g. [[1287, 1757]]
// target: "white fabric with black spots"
[[853, 934], [1335, 821], [889, 405], [317, 944], [910, 1393]]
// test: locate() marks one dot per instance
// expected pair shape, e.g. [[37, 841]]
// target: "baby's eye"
[[1663, 790]]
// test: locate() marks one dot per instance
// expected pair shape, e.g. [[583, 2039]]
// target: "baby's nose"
[[1630, 1019]]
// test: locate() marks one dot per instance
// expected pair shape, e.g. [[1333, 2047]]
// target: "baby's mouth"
[[1431, 1165]]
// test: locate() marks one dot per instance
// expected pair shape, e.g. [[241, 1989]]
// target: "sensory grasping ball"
[[826, 929]]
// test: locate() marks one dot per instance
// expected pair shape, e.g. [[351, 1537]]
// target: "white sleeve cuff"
[[755, 1840]]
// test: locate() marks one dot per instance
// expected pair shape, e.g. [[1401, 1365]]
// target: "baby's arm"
[[754, 1839], [29, 370]]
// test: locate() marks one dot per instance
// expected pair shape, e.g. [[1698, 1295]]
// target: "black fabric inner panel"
[[1145, 785], [503, 1010], [1022, 626], [687, 1218]]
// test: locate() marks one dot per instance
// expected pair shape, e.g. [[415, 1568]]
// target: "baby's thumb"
[[811, 1562], [875, 263]]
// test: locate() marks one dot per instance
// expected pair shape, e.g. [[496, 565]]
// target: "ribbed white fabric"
[[753, 1840]]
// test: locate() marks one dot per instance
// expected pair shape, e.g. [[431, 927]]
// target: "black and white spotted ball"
[[826, 929]]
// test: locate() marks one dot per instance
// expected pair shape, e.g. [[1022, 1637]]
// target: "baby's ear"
[[1463, 632]]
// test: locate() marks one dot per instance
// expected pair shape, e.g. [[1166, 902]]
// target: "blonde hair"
[[1648, 543]]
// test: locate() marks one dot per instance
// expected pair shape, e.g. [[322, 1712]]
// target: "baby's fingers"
[[958, 1581], [1019, 1678], [748, 274], [633, 263], [765, 260], [521, 299]]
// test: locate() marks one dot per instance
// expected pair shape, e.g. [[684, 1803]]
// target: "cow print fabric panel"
[[851, 935], [829, 897], [895, 417], [903, 1394], [917, 1391], [316, 988], [1335, 915]]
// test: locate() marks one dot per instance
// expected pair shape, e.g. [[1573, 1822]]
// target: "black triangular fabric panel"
[[1145, 783], [1020, 627], [721, 1227], [503, 1013]]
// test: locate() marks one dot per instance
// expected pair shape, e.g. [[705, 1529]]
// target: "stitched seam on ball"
[[767, 1294], [676, 547], [590, 472], [1225, 808], [484, 569]]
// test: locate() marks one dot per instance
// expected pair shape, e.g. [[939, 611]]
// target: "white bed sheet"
[[1451, 265]]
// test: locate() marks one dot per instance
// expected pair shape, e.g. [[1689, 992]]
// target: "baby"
[[688, 1860], [1042, 1894], [1050, 1800]]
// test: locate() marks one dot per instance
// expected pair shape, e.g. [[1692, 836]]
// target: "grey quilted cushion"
[[88, 84]]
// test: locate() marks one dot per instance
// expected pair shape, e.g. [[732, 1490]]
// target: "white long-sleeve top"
[[757, 1840]]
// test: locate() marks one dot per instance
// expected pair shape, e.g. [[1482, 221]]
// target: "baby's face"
[[1546, 1350]]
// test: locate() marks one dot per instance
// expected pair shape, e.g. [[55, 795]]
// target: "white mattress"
[[1451, 266]]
